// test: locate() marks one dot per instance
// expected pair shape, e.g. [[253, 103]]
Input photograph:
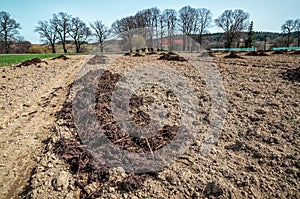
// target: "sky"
[[267, 15]]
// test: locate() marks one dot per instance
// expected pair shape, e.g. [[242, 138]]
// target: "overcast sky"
[[268, 15]]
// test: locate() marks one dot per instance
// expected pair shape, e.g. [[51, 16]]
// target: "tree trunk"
[[53, 48], [183, 41], [161, 39], [64, 47], [150, 43], [77, 44], [265, 44], [171, 42], [156, 29], [229, 40], [288, 41], [298, 38], [6, 43], [161, 33], [228, 43], [101, 47], [200, 39]]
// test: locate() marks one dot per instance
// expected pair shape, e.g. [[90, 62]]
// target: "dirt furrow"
[[36, 93]]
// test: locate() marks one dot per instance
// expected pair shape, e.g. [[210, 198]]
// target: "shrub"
[[38, 50]]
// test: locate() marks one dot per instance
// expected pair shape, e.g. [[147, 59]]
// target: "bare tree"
[[287, 28], [155, 16], [123, 25], [102, 32], [47, 33], [170, 17], [203, 21], [122, 28], [187, 19], [142, 19], [297, 29], [232, 22], [62, 23], [9, 28], [161, 22], [143, 24], [187, 22], [79, 32]]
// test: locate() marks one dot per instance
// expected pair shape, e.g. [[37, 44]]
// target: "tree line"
[[62, 26], [193, 22]]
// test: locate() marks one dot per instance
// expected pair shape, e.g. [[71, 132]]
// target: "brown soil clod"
[[127, 54], [79, 158], [33, 61], [106, 86], [292, 74], [207, 54], [63, 57], [211, 189], [131, 183], [296, 52], [171, 57], [82, 163], [171, 53], [138, 55], [98, 59], [256, 53], [233, 55], [279, 52]]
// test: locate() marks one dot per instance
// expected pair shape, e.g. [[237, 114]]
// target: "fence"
[[287, 48], [233, 49]]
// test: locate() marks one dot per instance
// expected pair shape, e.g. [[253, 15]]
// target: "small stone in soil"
[[211, 189]]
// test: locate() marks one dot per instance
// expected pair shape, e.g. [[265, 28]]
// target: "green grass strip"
[[10, 59]]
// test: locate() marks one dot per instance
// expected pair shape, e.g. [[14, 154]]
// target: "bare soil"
[[30, 96], [257, 154]]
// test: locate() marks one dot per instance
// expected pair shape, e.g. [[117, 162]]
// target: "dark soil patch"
[[292, 74], [80, 160], [297, 52], [207, 54], [256, 53], [33, 61], [98, 59], [171, 57], [279, 52], [131, 183], [225, 51], [138, 55], [63, 57], [113, 132], [82, 163], [252, 53], [233, 55], [211, 189], [171, 53], [211, 54]]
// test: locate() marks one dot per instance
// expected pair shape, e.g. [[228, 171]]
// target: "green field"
[[8, 60]]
